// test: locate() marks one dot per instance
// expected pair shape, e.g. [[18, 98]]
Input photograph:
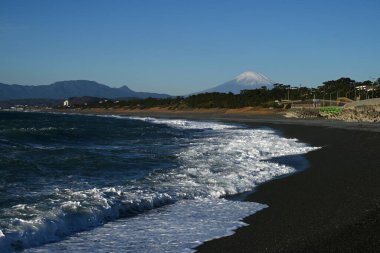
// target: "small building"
[[66, 103], [364, 87]]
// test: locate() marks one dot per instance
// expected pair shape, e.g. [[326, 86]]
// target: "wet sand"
[[333, 206]]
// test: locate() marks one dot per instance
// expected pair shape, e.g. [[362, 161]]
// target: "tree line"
[[329, 90]]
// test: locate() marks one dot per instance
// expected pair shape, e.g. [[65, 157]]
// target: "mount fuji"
[[245, 81]]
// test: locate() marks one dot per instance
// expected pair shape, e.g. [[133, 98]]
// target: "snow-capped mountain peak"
[[252, 78], [248, 80]]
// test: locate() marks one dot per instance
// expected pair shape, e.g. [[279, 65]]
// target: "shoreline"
[[246, 115], [332, 206]]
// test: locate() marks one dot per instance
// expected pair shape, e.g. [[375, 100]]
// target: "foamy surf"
[[214, 161], [175, 228]]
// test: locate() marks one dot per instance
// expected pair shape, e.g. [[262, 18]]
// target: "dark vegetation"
[[330, 90]]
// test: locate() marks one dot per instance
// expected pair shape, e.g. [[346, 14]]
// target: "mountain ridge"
[[70, 88]]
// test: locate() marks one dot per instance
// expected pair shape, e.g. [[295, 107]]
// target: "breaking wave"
[[219, 160]]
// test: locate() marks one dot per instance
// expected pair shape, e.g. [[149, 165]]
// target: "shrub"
[[331, 110]]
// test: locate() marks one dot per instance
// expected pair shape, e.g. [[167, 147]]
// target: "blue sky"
[[182, 46]]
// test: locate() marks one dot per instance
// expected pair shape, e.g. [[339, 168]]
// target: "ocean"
[[97, 183]]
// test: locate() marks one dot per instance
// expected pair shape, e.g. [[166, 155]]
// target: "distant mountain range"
[[67, 89], [245, 81], [80, 88]]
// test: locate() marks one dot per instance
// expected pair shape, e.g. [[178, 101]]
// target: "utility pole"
[[373, 82], [289, 93], [372, 89], [330, 98], [323, 99]]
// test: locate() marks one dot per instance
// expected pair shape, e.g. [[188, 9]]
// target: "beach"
[[333, 206], [189, 126]]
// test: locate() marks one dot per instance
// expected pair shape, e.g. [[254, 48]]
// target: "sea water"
[[88, 183]]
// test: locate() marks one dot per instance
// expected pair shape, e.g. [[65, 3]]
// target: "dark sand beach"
[[332, 206]]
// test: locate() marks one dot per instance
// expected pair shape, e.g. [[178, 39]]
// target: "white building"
[[364, 87], [66, 103]]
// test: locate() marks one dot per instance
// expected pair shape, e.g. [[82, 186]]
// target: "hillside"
[[66, 89]]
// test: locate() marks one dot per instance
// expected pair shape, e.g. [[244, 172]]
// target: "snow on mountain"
[[253, 78], [245, 81]]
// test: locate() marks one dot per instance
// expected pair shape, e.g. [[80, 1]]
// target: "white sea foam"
[[174, 228], [185, 124], [227, 160]]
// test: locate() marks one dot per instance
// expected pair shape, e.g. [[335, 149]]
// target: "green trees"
[[342, 87]]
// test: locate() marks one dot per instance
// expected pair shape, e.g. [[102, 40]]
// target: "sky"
[[182, 46]]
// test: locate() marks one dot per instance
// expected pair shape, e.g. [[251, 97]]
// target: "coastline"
[[332, 206], [244, 116]]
